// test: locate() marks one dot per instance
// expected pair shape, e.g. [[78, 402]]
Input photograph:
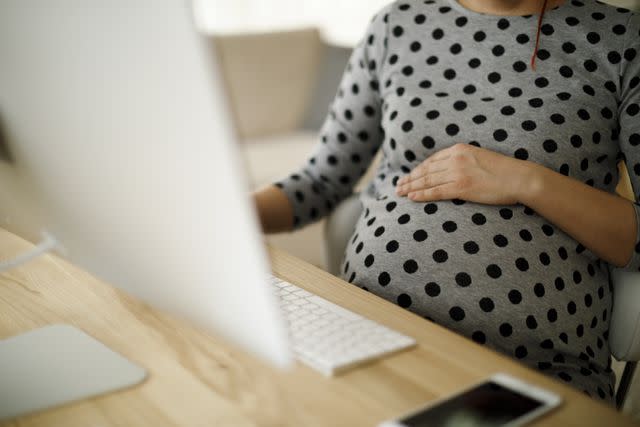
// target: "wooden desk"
[[198, 380]]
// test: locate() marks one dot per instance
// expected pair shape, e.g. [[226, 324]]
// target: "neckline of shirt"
[[472, 13]]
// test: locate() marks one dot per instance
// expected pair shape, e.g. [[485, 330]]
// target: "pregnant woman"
[[493, 210]]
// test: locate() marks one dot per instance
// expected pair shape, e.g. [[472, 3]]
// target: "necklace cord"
[[535, 50]]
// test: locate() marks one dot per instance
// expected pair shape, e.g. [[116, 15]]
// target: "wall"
[[341, 22]]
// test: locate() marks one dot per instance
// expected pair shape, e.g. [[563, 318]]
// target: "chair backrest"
[[624, 330]]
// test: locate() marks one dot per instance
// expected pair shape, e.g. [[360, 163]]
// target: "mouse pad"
[[58, 364]]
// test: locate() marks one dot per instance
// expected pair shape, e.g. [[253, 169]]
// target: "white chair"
[[624, 330]]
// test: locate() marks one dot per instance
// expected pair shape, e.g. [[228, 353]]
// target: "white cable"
[[47, 244]]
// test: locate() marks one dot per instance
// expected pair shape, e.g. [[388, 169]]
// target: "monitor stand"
[[58, 364]]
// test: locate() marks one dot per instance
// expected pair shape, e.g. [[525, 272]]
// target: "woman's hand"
[[470, 173]]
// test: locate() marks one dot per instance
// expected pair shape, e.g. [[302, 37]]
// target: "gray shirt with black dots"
[[429, 74]]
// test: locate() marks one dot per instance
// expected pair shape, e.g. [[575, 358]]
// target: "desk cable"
[[47, 244]]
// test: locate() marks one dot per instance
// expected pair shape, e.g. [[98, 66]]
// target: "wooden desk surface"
[[199, 380]]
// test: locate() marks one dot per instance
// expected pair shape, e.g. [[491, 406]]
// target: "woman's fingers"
[[423, 168], [430, 179], [440, 192]]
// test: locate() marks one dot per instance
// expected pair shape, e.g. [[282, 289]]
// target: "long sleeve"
[[350, 136], [629, 121]]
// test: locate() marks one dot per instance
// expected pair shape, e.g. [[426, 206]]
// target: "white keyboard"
[[330, 338]]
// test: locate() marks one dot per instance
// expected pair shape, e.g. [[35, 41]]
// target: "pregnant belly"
[[461, 243], [496, 274]]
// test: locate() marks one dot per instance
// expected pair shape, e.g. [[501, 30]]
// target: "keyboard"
[[330, 338]]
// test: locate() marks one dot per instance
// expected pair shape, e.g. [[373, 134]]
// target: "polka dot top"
[[429, 74]]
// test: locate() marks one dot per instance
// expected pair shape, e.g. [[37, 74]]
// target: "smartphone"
[[500, 400]]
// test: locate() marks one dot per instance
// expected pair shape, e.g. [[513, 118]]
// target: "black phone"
[[501, 400]]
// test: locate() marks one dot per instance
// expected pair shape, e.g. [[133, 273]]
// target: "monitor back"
[[118, 130]]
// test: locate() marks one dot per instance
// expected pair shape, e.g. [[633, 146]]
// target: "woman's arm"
[[349, 139], [604, 223]]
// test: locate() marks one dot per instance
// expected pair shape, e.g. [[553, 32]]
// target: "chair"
[[624, 330]]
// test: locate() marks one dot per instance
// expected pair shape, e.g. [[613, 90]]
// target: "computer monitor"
[[115, 117]]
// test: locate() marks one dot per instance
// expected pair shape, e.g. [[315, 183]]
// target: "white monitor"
[[115, 118]]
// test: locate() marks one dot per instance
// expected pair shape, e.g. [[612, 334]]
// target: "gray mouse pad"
[[58, 364]]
